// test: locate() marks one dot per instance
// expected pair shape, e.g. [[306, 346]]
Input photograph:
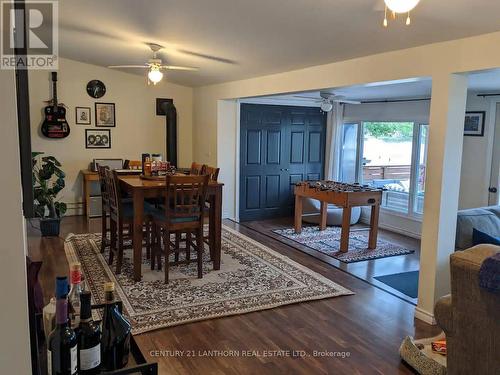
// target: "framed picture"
[[474, 123], [105, 115], [82, 115], [97, 138]]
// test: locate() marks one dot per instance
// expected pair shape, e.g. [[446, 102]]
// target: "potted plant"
[[48, 181]]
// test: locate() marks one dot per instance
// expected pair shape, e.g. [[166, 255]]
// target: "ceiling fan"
[[327, 99], [154, 65]]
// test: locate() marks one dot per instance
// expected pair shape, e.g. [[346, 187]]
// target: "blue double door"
[[279, 146]]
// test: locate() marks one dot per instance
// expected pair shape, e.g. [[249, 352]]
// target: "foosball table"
[[344, 196]]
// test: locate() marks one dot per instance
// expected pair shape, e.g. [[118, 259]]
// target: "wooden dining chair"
[[105, 207], [213, 175], [212, 172], [121, 214], [182, 214], [196, 169]]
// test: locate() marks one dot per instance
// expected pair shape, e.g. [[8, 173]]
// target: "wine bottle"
[[89, 338], [74, 294], [115, 342], [62, 355]]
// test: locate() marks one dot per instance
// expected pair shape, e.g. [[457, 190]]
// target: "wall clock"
[[96, 89]]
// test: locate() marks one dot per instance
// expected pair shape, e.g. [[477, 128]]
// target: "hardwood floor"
[[366, 270], [367, 327]]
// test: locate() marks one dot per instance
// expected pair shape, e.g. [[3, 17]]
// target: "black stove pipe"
[[171, 121]]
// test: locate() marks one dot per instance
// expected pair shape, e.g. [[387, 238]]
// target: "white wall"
[[477, 154], [14, 339], [137, 130]]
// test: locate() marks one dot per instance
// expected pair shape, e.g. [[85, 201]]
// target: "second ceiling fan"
[[154, 65], [327, 99]]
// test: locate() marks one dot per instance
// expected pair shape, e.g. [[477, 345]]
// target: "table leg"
[[86, 196], [298, 213], [346, 226], [138, 198], [323, 212], [215, 226], [372, 239]]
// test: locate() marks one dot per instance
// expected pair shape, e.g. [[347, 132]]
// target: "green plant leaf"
[[59, 173], [61, 208], [51, 159]]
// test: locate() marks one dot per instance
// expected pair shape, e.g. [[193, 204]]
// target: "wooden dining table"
[[140, 189]]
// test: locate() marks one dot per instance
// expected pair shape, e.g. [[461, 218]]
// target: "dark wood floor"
[[369, 325], [366, 270]]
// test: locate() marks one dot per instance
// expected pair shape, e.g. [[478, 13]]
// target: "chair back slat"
[[196, 169], [185, 197], [212, 172], [101, 170], [113, 192]]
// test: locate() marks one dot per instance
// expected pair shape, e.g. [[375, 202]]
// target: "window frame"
[[415, 164]]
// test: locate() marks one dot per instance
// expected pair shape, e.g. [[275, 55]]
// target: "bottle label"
[[74, 359], [90, 358], [76, 277], [49, 362]]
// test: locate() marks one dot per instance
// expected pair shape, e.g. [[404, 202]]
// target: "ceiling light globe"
[[401, 6], [155, 76], [326, 106]]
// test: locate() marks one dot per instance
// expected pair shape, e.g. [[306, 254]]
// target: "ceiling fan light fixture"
[[326, 106], [155, 75], [401, 6]]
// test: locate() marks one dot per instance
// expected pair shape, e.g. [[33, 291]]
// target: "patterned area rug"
[[328, 242], [252, 277]]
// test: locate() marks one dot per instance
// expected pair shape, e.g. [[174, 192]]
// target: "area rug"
[[328, 242], [252, 277], [404, 282]]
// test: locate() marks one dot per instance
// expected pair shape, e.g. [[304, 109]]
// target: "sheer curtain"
[[334, 122]]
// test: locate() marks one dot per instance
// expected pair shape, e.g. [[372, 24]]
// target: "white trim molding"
[[425, 316]]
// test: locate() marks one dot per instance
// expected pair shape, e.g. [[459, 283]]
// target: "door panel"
[[297, 147], [254, 146], [253, 192], [273, 147], [273, 191], [314, 147], [279, 146]]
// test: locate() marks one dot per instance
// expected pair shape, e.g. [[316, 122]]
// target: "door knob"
[[492, 189]]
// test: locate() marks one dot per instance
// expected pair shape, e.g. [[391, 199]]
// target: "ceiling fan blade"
[[208, 57], [308, 97], [347, 101], [174, 67], [127, 66]]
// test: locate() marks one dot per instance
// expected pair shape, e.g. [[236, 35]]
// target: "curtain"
[[334, 122]]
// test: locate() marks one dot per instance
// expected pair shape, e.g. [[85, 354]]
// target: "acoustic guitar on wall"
[[54, 124]]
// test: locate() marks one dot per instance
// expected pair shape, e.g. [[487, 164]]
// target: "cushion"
[[159, 215], [486, 219], [489, 274], [479, 238], [128, 209]]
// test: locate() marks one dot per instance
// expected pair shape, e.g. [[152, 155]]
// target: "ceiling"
[[484, 82], [236, 39]]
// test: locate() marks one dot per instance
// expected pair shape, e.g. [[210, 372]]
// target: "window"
[[389, 155], [421, 157]]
